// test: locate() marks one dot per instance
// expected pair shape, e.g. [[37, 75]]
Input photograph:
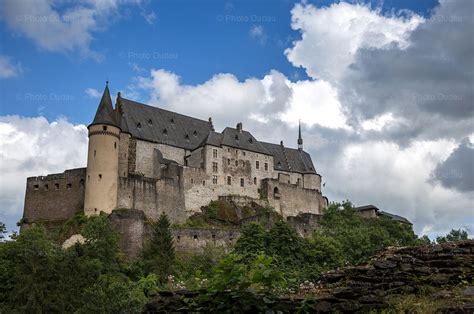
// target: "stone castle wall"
[[55, 196], [291, 199]]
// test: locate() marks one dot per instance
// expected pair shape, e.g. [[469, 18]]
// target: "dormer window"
[[186, 137], [165, 132], [172, 121], [150, 122], [279, 164], [139, 125], [195, 133], [250, 141], [236, 137]]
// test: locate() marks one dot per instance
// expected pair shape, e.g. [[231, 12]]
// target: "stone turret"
[[102, 159]]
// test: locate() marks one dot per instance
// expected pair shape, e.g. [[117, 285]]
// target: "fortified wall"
[[55, 197]]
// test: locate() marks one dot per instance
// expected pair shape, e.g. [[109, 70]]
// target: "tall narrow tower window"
[[115, 145], [95, 152]]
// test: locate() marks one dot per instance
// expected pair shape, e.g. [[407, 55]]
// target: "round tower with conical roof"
[[102, 159]]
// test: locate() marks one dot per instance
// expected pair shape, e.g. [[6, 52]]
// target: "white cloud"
[[60, 27], [8, 68], [258, 33], [32, 147], [331, 36], [273, 96], [92, 92]]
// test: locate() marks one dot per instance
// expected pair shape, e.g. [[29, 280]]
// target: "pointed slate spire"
[[300, 139], [105, 112]]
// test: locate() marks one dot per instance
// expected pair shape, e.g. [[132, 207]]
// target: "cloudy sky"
[[384, 89]]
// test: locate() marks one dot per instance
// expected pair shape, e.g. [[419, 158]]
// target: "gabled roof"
[[105, 112], [394, 217], [289, 159], [242, 139], [162, 126]]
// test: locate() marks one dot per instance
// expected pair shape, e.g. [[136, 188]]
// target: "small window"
[[88, 178], [69, 186], [104, 128], [100, 176], [242, 182], [139, 125], [195, 133], [236, 137], [214, 167], [115, 145], [229, 180], [257, 164], [250, 141], [214, 179], [203, 183], [214, 153], [255, 180], [228, 150], [46, 187], [56, 186], [213, 237], [195, 237], [236, 163], [165, 132], [243, 153], [186, 137], [95, 209], [95, 153], [304, 230], [276, 193], [36, 187], [192, 181], [179, 238], [266, 166], [150, 122], [172, 121], [228, 161]]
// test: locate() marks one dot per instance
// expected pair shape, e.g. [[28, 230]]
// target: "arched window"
[[276, 192], [165, 131], [255, 180]]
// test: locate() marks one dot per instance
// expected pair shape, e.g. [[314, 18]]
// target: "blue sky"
[[195, 39], [383, 88]]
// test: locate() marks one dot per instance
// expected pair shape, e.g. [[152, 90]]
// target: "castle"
[[149, 159]]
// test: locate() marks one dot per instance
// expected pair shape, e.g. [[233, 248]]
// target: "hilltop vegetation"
[[37, 275]]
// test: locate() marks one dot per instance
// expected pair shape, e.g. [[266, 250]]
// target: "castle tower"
[[300, 139], [102, 159]]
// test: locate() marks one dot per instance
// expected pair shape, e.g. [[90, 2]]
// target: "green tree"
[[251, 241], [158, 254], [453, 235], [3, 230]]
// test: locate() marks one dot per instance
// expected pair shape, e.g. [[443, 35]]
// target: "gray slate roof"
[[105, 112], [289, 159], [162, 126], [395, 217]]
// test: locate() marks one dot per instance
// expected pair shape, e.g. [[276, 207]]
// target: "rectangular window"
[[56, 186], [242, 182], [243, 153], [257, 165], [36, 187], [69, 186], [214, 179], [214, 153], [266, 166], [203, 183], [214, 167], [229, 180]]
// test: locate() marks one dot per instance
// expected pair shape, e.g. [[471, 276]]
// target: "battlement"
[[67, 174]]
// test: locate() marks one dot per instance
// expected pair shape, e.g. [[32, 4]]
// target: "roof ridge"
[[159, 108]]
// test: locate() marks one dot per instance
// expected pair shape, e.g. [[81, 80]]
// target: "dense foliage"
[[38, 275], [158, 253]]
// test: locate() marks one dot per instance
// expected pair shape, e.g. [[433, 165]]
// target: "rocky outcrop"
[[395, 271], [368, 287]]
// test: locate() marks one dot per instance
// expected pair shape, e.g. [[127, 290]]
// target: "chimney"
[[239, 127], [281, 143], [211, 124]]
